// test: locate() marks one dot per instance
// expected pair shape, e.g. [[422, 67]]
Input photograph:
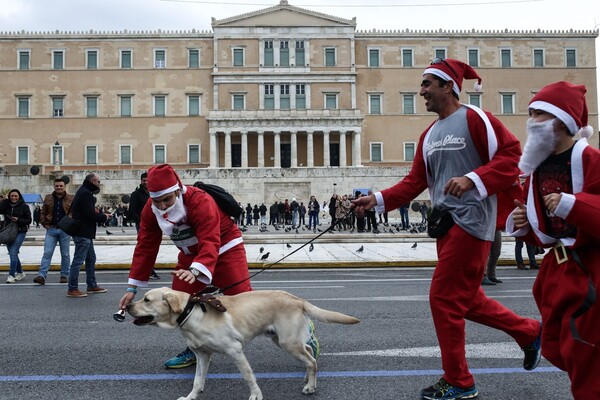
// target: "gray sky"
[[117, 15]]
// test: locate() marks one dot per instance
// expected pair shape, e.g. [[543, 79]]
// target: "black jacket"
[[84, 210], [138, 200], [19, 210]]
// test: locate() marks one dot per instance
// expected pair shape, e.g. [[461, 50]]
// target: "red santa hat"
[[163, 179], [455, 71], [566, 102]]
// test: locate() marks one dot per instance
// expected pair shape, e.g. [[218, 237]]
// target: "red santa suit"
[[562, 285], [208, 240], [456, 293]]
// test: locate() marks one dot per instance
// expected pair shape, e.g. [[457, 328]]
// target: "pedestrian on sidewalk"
[[15, 211], [211, 245], [56, 205], [463, 158], [505, 202], [563, 212], [84, 212], [531, 251]]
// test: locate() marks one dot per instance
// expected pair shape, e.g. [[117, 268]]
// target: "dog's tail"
[[332, 317]]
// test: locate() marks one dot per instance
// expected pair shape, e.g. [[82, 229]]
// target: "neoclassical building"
[[281, 101]]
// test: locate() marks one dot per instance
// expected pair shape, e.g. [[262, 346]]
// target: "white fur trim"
[[558, 113], [380, 207], [165, 191], [481, 190], [137, 283], [205, 275], [565, 205], [586, 132], [231, 245], [444, 76], [477, 86]]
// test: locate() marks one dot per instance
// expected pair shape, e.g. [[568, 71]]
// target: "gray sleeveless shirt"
[[450, 153]]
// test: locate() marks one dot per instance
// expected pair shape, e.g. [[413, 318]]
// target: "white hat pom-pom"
[[586, 132], [477, 87]]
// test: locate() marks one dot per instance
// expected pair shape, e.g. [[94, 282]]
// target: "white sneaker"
[[19, 276], [10, 279]]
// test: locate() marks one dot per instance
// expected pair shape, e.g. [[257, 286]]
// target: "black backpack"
[[224, 199]]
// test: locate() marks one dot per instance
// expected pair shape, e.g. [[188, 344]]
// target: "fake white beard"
[[541, 142], [171, 217]]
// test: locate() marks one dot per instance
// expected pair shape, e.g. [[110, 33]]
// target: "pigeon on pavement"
[[414, 246], [265, 256], [360, 249]]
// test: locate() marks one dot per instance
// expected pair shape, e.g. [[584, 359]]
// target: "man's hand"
[[551, 201], [519, 215], [363, 203], [185, 275], [126, 299], [458, 186]]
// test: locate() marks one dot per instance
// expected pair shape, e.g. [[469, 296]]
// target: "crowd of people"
[[338, 211], [470, 163]]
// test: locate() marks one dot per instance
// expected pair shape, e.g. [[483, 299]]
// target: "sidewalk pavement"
[[329, 250]]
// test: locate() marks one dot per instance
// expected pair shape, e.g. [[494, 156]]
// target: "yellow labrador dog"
[[280, 315]]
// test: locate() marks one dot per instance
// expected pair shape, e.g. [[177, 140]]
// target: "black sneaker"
[[486, 281], [443, 390], [533, 353]]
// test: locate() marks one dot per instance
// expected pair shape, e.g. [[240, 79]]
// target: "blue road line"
[[260, 375]]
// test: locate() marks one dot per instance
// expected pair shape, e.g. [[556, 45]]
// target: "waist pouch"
[[439, 223]]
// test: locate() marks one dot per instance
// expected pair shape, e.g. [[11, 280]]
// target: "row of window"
[[125, 154], [270, 101], [474, 59], [281, 56], [160, 153], [92, 102], [507, 103]]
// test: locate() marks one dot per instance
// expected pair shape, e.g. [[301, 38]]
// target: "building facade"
[[279, 102]]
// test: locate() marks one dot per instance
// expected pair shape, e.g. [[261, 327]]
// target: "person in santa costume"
[[562, 211], [211, 246], [464, 158]]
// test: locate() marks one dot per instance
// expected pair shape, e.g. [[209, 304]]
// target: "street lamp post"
[[56, 156]]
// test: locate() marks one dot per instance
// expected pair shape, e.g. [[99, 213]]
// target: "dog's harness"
[[203, 299]]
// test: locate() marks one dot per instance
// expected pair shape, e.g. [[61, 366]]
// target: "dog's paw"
[[256, 397], [309, 389]]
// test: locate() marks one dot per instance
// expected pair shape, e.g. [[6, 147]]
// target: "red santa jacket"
[[581, 208], [210, 232], [498, 149]]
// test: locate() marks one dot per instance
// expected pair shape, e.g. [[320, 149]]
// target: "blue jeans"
[[84, 253], [54, 235], [13, 254]]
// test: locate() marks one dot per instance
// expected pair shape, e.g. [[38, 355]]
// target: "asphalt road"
[[54, 347]]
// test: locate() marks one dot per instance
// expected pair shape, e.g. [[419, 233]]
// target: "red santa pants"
[[456, 295], [559, 290], [232, 267]]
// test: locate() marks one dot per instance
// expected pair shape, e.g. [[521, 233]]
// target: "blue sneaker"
[[443, 390], [181, 360], [533, 353], [313, 342]]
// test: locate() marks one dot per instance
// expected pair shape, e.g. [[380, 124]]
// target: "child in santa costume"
[[562, 211], [464, 158], [211, 248]]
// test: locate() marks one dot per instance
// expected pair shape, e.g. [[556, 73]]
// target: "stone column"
[[326, 160], [244, 149], [342, 149], [228, 148], [294, 146], [310, 152], [214, 154], [356, 159], [261, 149], [277, 149]]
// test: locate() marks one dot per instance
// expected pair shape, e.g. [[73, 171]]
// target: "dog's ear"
[[174, 302]]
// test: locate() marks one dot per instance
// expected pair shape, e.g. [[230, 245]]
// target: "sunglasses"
[[439, 60]]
